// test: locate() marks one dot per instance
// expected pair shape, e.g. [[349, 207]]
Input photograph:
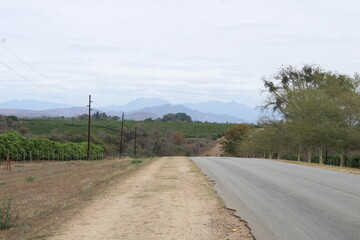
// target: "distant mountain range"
[[32, 105], [226, 108], [139, 109], [57, 112], [136, 105], [195, 115]]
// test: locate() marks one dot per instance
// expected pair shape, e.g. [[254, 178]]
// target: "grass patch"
[[2, 183], [30, 179], [141, 196], [7, 217], [136, 161]]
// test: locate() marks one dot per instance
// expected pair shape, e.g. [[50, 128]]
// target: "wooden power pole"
[[89, 124], [135, 142], [121, 134]]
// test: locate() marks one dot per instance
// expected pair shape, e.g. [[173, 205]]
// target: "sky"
[[178, 50]]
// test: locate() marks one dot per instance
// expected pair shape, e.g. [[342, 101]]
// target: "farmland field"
[[189, 130]]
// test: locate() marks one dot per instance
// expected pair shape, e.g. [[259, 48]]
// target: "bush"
[[136, 161], [7, 217], [43, 149], [30, 179], [353, 161], [291, 157]]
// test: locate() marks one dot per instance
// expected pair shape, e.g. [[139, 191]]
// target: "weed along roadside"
[[36, 197]]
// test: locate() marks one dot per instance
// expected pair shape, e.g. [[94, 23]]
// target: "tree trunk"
[[321, 160], [309, 155], [299, 154], [278, 157], [342, 159]]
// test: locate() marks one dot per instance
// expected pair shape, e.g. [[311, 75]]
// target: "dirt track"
[[169, 199]]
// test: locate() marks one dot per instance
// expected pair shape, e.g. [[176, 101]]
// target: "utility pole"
[[135, 142], [89, 121], [121, 134]]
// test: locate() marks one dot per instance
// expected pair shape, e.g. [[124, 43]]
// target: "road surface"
[[282, 201]]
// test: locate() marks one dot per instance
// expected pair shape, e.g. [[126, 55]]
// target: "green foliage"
[[103, 117], [59, 126], [7, 217], [176, 117], [154, 138], [290, 157], [23, 148], [234, 137], [319, 110], [136, 161], [29, 179]]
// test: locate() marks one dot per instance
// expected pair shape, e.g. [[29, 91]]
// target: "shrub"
[[29, 179], [136, 161], [39, 149]]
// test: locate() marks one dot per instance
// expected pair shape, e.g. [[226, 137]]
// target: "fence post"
[[7, 163]]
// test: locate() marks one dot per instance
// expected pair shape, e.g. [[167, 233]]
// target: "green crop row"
[[189, 130], [22, 148]]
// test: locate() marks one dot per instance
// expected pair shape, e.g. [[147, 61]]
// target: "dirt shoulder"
[[330, 167], [215, 151], [168, 199]]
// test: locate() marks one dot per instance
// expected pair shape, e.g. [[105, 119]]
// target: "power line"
[[37, 85], [12, 52]]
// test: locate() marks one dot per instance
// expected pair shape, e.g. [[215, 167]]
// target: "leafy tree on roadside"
[[316, 104], [233, 138]]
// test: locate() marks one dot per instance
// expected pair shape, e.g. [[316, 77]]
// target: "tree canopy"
[[314, 110], [234, 137], [176, 117]]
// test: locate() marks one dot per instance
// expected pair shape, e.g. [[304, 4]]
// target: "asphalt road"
[[283, 201]]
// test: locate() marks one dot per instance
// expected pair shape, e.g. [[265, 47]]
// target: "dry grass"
[[331, 167], [44, 194]]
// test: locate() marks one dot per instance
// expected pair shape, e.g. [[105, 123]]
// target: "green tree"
[[234, 136], [313, 103], [176, 117]]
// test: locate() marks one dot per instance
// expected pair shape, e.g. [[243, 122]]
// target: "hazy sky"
[[179, 50]]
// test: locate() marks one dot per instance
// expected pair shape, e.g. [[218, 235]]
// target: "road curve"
[[283, 201]]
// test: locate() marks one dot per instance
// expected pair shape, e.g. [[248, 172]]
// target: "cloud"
[[248, 25], [97, 46], [178, 49]]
